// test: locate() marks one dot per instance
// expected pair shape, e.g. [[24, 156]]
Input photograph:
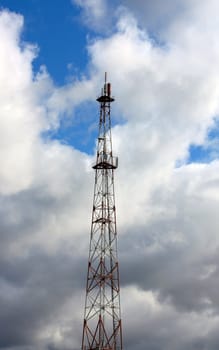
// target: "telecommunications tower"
[[102, 316]]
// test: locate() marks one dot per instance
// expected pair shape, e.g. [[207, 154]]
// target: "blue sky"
[[208, 152], [57, 32]]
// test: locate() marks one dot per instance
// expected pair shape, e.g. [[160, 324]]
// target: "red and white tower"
[[102, 316]]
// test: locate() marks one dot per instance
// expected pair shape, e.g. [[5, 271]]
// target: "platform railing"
[[106, 161]]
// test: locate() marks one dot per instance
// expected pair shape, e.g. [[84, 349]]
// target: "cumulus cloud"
[[166, 100], [38, 178], [155, 16], [94, 12]]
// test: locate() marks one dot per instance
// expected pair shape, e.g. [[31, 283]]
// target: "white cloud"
[[19, 126], [94, 12]]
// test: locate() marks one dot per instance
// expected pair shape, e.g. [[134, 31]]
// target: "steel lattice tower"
[[102, 317]]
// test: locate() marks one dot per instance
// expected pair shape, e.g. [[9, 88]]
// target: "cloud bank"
[[166, 90]]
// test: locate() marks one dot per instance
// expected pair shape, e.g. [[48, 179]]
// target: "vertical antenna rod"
[[102, 328]]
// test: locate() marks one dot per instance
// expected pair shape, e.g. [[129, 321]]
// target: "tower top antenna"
[[105, 92]]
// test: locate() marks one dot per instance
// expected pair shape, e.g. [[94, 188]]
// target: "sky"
[[163, 64]]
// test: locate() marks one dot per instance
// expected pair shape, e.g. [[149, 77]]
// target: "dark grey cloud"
[[36, 282], [169, 257], [33, 290]]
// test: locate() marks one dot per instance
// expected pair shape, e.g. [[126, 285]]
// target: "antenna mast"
[[102, 328]]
